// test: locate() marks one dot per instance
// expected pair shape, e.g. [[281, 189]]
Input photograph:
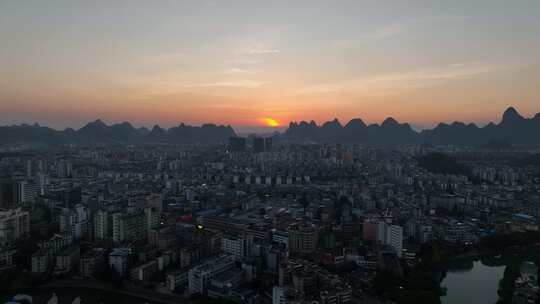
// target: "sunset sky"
[[264, 63]]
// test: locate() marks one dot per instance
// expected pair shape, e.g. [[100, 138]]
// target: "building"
[[391, 235], [152, 217], [145, 272], [101, 225], [64, 169], [14, 225], [91, 262], [57, 242], [119, 260], [42, 261], [239, 246], [285, 295], [457, 233], [303, 238], [75, 221], [222, 284], [128, 227], [424, 233], [7, 260], [199, 277], [162, 238], [369, 230], [15, 192], [336, 296], [278, 295], [67, 260], [176, 279], [8, 193], [394, 238]]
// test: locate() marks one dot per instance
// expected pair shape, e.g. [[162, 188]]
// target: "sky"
[[258, 65]]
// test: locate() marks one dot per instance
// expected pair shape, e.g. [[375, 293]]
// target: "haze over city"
[[258, 66]]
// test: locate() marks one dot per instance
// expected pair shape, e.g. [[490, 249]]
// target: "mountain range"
[[512, 129], [97, 132]]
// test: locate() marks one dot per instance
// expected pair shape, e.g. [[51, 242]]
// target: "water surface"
[[476, 285]]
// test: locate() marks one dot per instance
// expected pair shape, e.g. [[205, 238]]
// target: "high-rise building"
[[101, 225], [15, 192], [14, 225], [64, 169], [395, 238], [391, 235], [128, 227], [7, 193], [152, 217], [27, 191], [75, 221]]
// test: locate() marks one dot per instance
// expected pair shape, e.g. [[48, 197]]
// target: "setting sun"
[[271, 122]]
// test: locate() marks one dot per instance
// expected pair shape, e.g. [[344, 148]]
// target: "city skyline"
[[66, 63], [271, 126]]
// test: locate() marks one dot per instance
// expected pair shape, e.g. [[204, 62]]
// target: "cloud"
[[237, 71], [262, 51], [246, 83], [245, 61], [391, 83]]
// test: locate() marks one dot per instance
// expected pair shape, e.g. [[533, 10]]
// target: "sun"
[[271, 122]]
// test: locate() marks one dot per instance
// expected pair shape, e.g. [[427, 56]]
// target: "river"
[[476, 284]]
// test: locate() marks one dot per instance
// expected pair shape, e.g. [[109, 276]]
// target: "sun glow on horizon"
[[271, 122]]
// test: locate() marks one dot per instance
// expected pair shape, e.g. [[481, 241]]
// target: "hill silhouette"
[[512, 129], [97, 132]]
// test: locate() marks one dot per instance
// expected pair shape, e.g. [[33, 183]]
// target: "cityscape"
[[245, 152]]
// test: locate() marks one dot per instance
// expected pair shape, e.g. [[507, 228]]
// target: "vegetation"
[[506, 284], [420, 284], [499, 242], [418, 297]]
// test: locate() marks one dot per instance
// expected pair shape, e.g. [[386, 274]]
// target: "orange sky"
[[242, 62]]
